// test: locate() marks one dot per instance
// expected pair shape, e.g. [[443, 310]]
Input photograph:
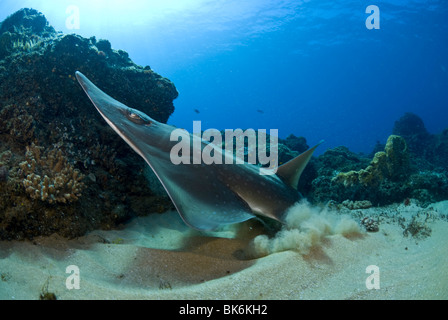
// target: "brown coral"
[[392, 163], [49, 177], [397, 157]]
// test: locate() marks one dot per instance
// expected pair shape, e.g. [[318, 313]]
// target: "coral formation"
[[429, 150], [356, 205], [392, 163], [413, 130], [370, 224], [392, 175], [295, 143], [49, 177], [51, 138], [397, 158]]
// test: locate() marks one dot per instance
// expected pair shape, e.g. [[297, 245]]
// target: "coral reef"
[[411, 127], [61, 168], [295, 143], [401, 171], [428, 150], [392, 163], [49, 177]]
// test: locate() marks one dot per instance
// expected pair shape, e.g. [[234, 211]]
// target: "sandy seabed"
[[158, 257]]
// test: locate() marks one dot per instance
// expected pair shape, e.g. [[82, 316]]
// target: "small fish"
[[206, 196], [196, 110], [260, 111]]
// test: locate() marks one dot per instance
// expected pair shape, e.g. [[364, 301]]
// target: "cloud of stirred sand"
[[306, 226]]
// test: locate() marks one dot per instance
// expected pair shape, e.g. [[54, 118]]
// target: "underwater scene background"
[[368, 77]]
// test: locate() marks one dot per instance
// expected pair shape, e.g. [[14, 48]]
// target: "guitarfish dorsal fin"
[[291, 171]]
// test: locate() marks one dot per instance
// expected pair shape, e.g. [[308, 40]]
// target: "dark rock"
[[411, 127], [410, 124], [295, 143], [428, 151], [104, 45], [340, 159], [27, 22], [440, 154]]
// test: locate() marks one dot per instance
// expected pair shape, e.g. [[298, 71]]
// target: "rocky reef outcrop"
[[430, 150], [62, 169], [412, 165]]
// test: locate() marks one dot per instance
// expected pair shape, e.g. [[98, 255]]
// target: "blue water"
[[311, 68]]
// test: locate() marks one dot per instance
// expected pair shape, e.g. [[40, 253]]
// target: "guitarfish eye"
[[138, 117]]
